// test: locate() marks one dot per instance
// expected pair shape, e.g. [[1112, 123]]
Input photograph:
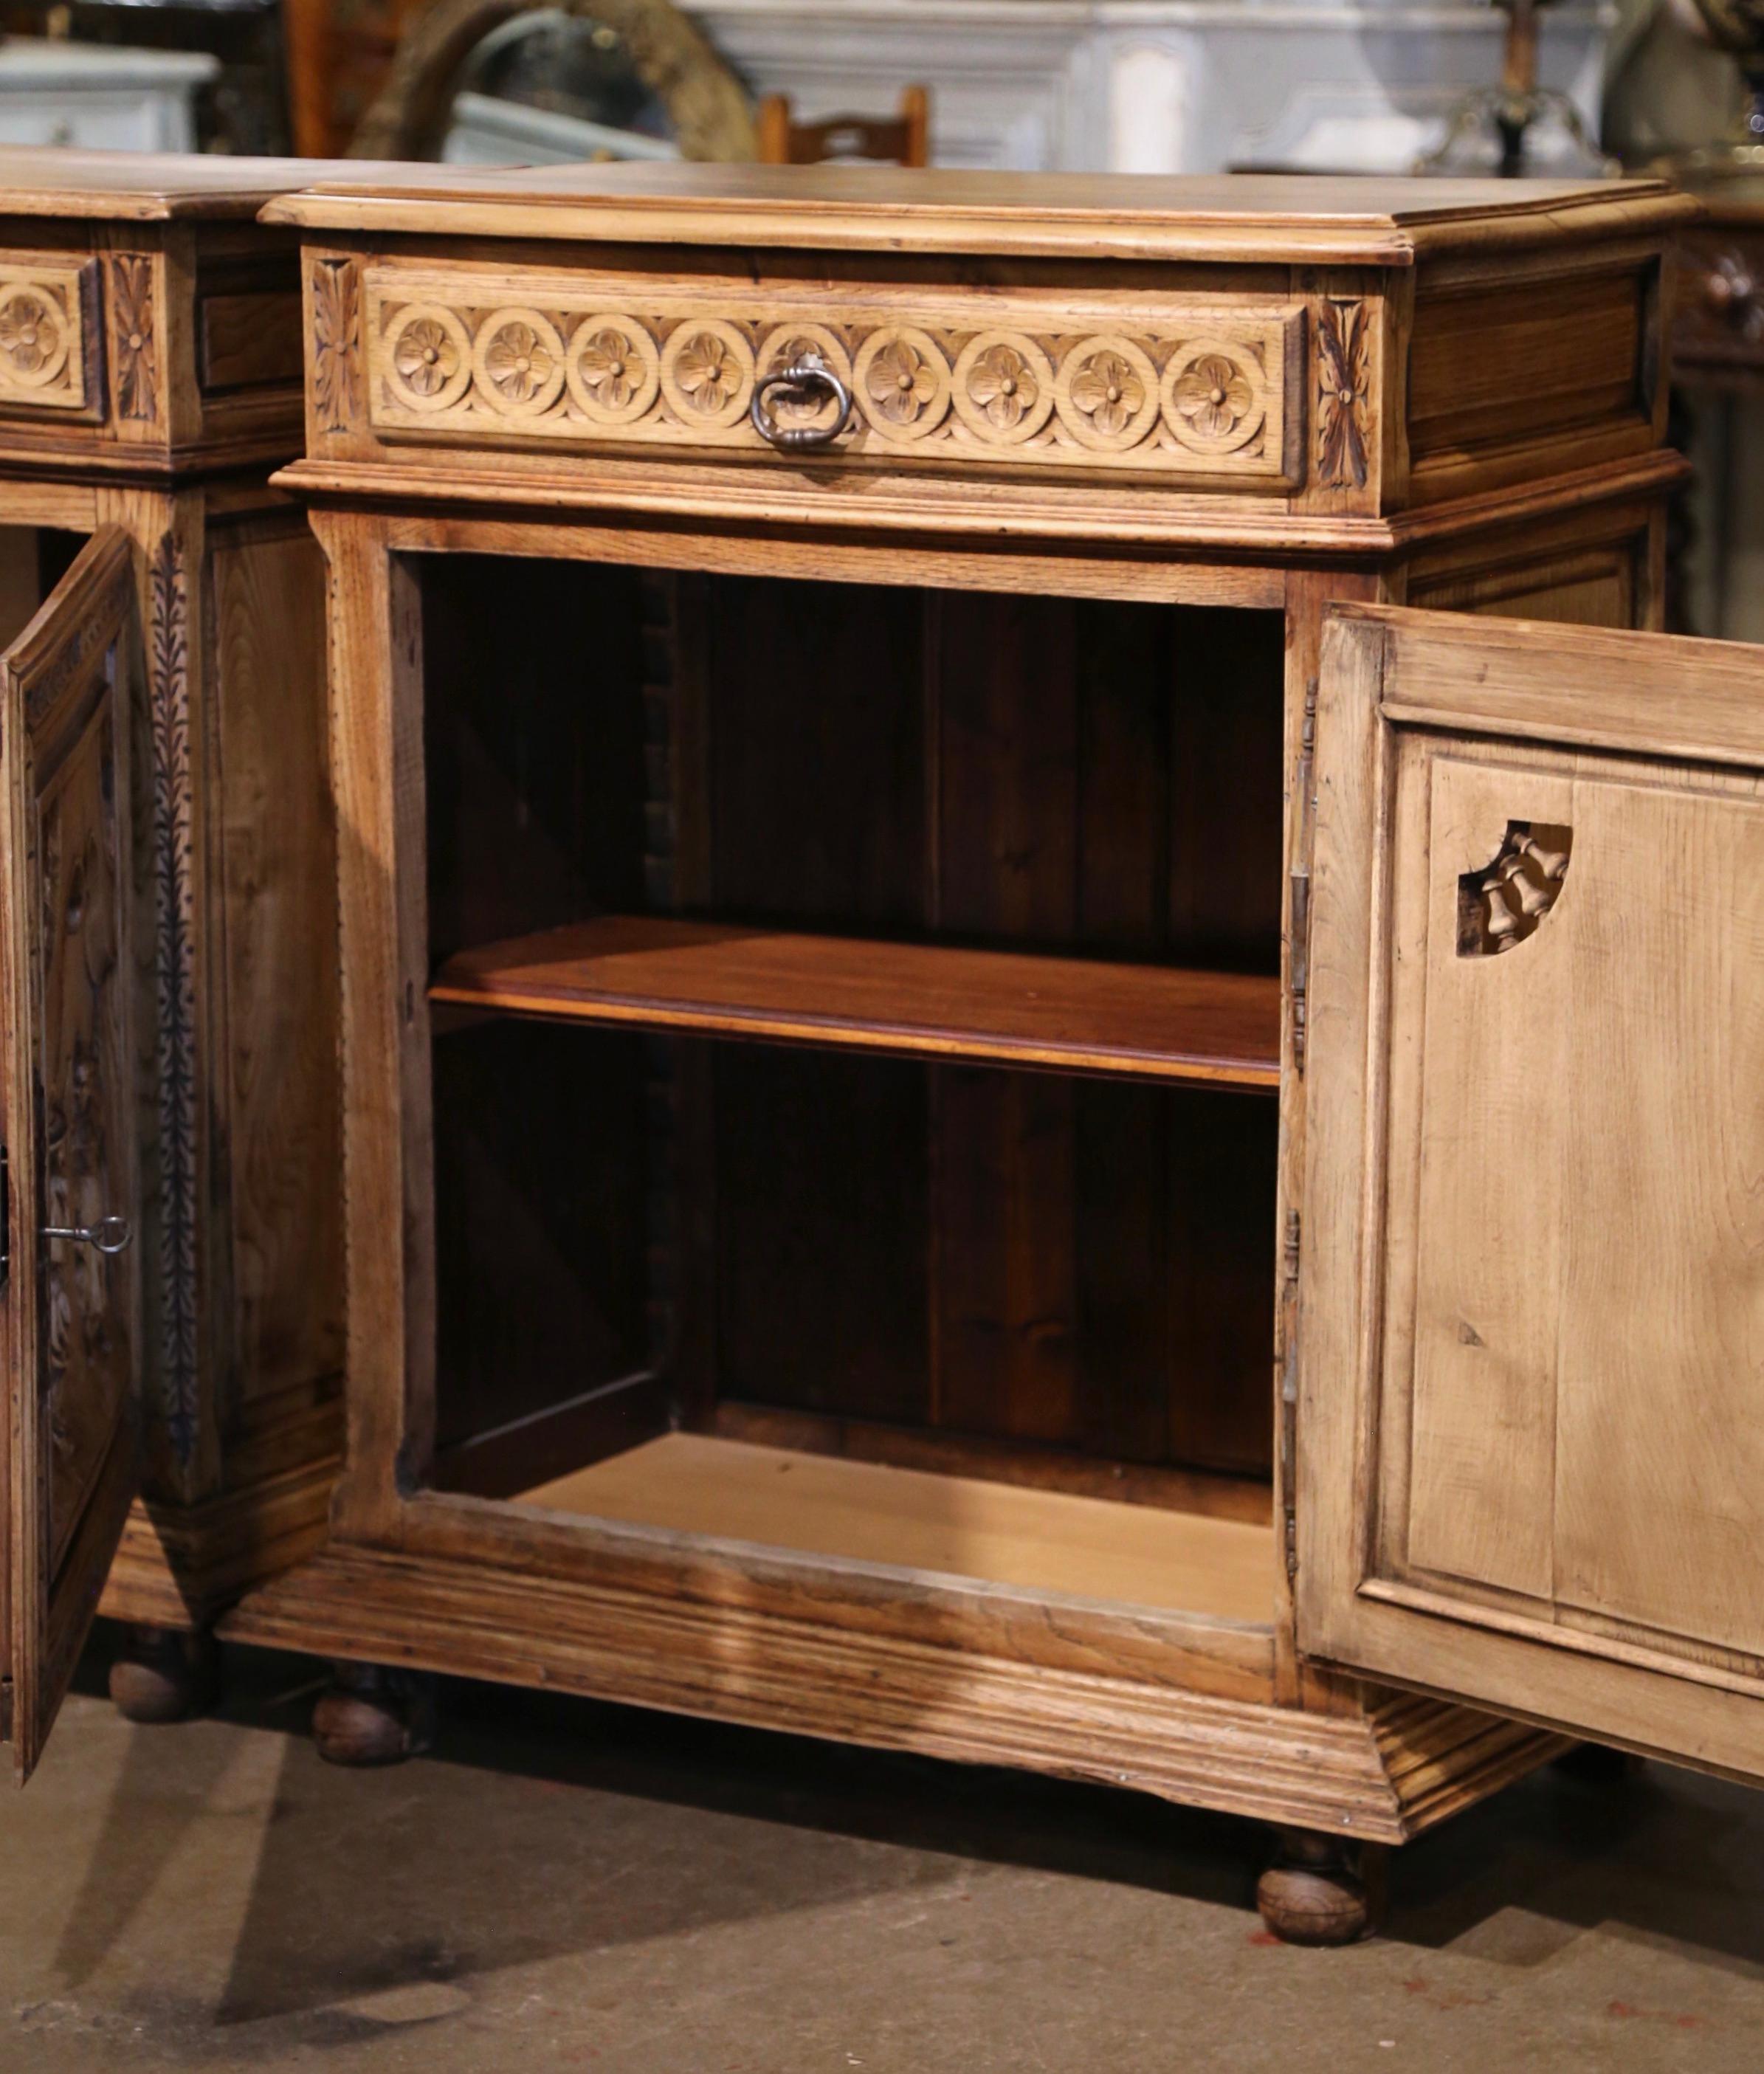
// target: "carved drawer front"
[[49, 332], [1201, 388]]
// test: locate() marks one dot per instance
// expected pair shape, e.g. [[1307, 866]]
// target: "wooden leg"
[[164, 1674], [371, 1715], [1322, 1889]]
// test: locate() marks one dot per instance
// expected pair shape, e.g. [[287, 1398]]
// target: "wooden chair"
[[896, 140]]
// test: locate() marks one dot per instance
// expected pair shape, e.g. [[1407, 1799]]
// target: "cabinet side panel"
[[278, 900]]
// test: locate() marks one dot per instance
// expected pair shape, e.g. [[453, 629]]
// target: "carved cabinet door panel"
[[70, 1085], [1530, 1351]]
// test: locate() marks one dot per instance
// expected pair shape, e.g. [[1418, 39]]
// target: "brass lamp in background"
[[1488, 129], [1735, 26]]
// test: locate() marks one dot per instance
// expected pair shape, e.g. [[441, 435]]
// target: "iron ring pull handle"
[[802, 378], [110, 1235]]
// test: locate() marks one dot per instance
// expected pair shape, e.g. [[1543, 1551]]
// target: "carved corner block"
[[48, 334]]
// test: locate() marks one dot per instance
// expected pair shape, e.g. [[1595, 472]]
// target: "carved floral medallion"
[[33, 335], [427, 360], [707, 372], [1004, 388], [902, 383], [613, 370], [518, 358], [1107, 393], [1213, 401]]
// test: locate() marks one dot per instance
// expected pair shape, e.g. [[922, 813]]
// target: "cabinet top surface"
[[1241, 216], [158, 187]]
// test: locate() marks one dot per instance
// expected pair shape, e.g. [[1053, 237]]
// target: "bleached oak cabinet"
[[167, 885], [1049, 1035]]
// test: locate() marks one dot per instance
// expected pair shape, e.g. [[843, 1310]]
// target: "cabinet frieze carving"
[[1197, 388], [134, 362], [45, 314]]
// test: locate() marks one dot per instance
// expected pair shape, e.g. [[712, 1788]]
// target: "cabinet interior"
[[33, 560], [855, 1017]]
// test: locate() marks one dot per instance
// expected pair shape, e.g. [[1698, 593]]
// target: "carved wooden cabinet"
[[1049, 1026], [169, 870]]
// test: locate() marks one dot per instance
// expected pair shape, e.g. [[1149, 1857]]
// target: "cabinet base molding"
[[1381, 1774], [178, 1565]]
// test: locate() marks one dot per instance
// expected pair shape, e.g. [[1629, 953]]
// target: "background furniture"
[[902, 139], [150, 378], [97, 98], [1718, 366], [1152, 86], [832, 742], [618, 69]]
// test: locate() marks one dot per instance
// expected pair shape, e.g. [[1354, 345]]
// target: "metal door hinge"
[[1289, 1391], [1299, 883]]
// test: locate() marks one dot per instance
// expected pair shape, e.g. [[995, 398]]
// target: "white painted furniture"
[[1158, 86], [99, 98]]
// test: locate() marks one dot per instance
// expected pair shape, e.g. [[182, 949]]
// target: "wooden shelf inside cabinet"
[[861, 1512], [1067, 1014]]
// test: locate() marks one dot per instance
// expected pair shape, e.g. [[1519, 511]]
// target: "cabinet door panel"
[[69, 1082], [1532, 1332]]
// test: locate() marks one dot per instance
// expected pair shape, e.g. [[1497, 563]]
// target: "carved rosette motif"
[[337, 340], [707, 372], [1343, 380], [134, 370], [1107, 393], [33, 335], [1212, 402], [427, 360], [902, 383], [613, 368], [1207, 400], [517, 361], [1004, 388], [174, 886]]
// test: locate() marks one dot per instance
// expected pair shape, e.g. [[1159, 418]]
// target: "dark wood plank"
[[1071, 1014], [820, 1166], [541, 1211]]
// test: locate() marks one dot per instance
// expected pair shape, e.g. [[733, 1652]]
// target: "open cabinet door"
[[70, 1299], [1530, 1343]]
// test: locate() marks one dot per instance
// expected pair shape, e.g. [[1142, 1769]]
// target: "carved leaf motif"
[[1004, 387], [1342, 375], [901, 381], [337, 340], [133, 352], [175, 978]]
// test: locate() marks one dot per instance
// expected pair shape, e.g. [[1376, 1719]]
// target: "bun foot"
[[164, 1674], [1321, 1889], [371, 1715]]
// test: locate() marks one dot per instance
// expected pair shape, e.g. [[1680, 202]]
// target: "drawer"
[[1200, 388], [1718, 308], [49, 334]]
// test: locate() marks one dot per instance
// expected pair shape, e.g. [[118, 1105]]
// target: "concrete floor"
[[566, 1886]]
